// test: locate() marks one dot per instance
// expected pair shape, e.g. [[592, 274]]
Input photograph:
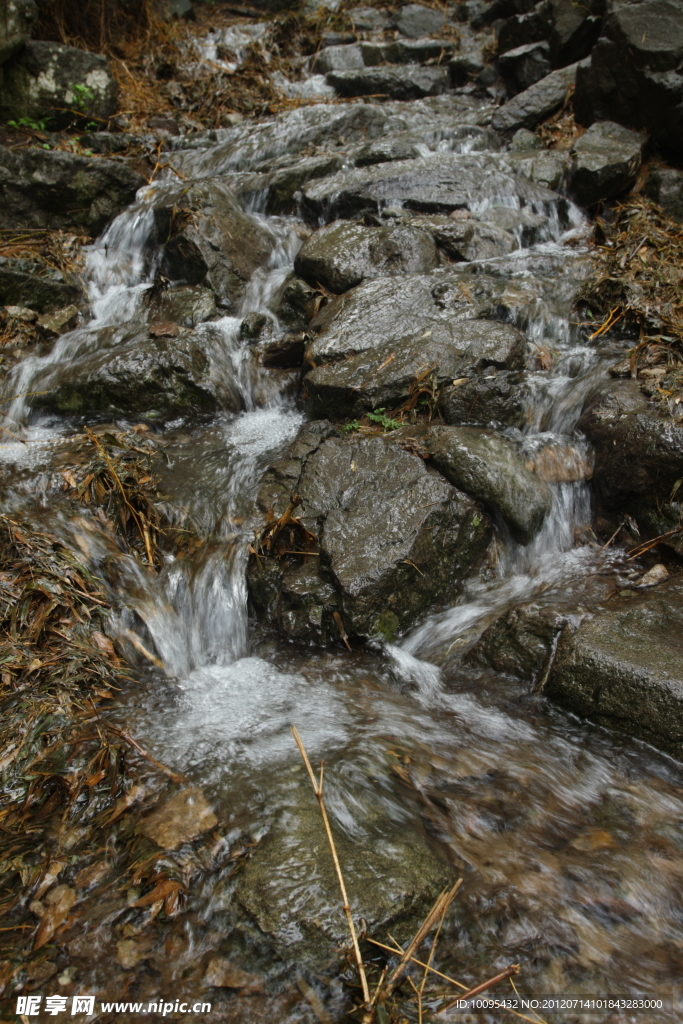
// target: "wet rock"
[[526, 226], [525, 29], [574, 29], [410, 145], [222, 973], [536, 103], [398, 83], [486, 466], [341, 255], [378, 313], [462, 69], [296, 304], [520, 643], [498, 10], [634, 72], [467, 239], [665, 186], [488, 399], [184, 305], [392, 876], [337, 58], [556, 461], [438, 183], [547, 167], [378, 514], [285, 353], [41, 189], [180, 820], [105, 143], [623, 666], [415, 21], [207, 238], [27, 316], [16, 25], [390, 373], [523, 140], [155, 379], [606, 162], [63, 83], [367, 19], [638, 456], [521, 67], [51, 325], [281, 185], [24, 283]]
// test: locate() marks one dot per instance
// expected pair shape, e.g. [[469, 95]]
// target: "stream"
[[568, 835]]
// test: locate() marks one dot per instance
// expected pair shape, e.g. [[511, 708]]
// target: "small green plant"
[[28, 122], [384, 421], [351, 425], [82, 96]]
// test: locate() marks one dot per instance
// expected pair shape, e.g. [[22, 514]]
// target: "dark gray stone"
[[486, 466], [434, 184], [186, 306], [337, 58], [16, 25], [467, 239], [638, 457], [547, 167], [56, 81], [521, 67], [36, 285], [606, 162], [536, 103], [296, 303], [378, 514], [523, 140], [574, 29], [41, 189], [388, 374], [634, 75], [492, 398], [665, 186], [623, 667], [343, 254], [367, 19], [523, 29], [463, 69], [397, 83], [406, 51], [277, 190], [415, 21], [205, 237]]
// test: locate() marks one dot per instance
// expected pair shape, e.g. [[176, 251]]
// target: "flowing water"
[[569, 837]]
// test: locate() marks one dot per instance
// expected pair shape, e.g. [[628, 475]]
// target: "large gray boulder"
[[389, 374], [343, 254], [392, 538], [606, 162], [638, 458], [438, 183], [664, 185], [50, 80], [623, 667], [466, 240], [16, 24], [634, 75], [486, 466], [337, 58], [525, 65], [206, 238], [402, 82], [155, 379], [41, 189], [36, 285], [524, 29], [574, 29], [415, 21], [536, 103], [493, 397]]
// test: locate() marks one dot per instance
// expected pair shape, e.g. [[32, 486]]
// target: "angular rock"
[[389, 374], [296, 304], [606, 162], [378, 514], [383, 312], [438, 183], [155, 379], [397, 83], [207, 238], [25, 283], [407, 51], [415, 21], [520, 643], [634, 75], [280, 186], [180, 820], [536, 103], [524, 29], [392, 876], [521, 67], [665, 186], [486, 466], [342, 254], [523, 140], [284, 354], [623, 666], [60, 82], [41, 189], [462, 69], [574, 29], [547, 167], [638, 457], [16, 24], [222, 973], [51, 325], [492, 398], [337, 58], [467, 239], [184, 305], [498, 10]]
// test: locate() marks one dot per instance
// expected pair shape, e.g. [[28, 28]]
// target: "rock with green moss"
[[392, 538], [47, 80]]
